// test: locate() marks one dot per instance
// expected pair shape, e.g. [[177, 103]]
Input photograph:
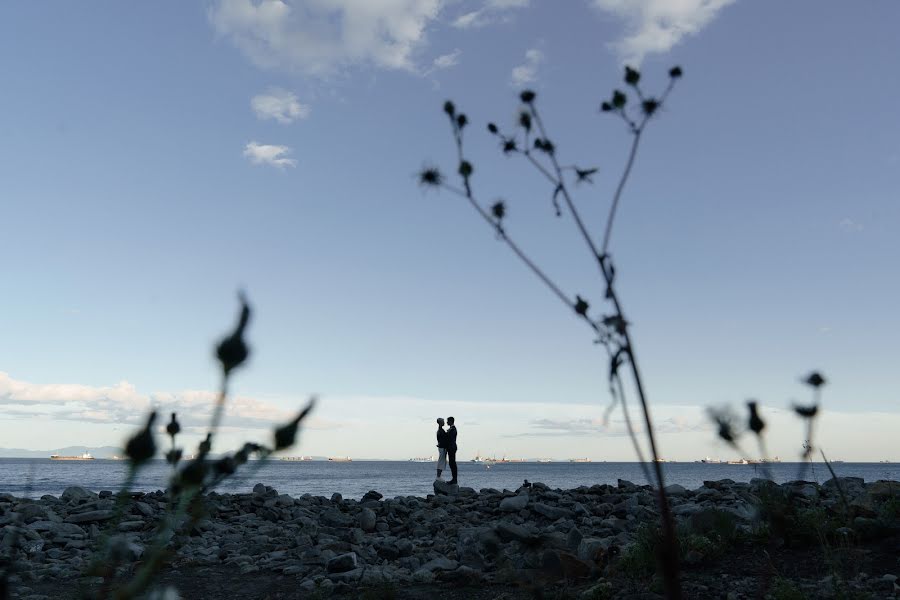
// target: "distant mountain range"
[[97, 452]]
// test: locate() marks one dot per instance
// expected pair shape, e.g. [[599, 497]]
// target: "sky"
[[157, 158]]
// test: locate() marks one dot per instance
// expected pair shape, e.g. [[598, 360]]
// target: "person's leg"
[[442, 461], [452, 458]]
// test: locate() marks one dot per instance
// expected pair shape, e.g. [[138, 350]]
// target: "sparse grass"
[[695, 544], [384, 590], [785, 589]]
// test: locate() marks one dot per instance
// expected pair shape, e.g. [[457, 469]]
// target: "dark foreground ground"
[[745, 571], [738, 541]]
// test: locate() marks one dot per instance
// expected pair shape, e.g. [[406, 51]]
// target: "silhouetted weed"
[[533, 143], [189, 481]]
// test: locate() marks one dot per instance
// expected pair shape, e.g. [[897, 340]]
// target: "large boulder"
[[593, 549], [520, 533], [552, 512], [476, 545], [514, 503], [76, 495], [367, 520], [91, 516], [442, 488], [342, 563], [440, 563]]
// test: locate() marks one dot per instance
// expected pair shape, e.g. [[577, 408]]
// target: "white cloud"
[[280, 105], [655, 26], [527, 71], [850, 225], [319, 37], [267, 154], [445, 61], [494, 11], [123, 404]]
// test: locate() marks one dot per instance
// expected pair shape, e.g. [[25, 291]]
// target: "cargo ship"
[[84, 456], [340, 459], [579, 460]]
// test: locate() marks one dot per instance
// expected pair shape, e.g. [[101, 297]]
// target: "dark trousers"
[[451, 459]]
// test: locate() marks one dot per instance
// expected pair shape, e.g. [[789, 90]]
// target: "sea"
[[35, 477]]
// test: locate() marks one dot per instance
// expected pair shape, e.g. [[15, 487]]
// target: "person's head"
[[440, 421], [450, 421]]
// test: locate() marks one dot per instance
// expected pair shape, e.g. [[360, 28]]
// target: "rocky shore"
[[591, 542]]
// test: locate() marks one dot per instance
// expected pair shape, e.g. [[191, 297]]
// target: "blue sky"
[[155, 159]]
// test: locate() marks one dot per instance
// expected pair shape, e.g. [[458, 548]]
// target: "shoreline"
[[457, 536]]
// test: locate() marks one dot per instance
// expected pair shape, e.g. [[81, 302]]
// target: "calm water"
[[353, 479]]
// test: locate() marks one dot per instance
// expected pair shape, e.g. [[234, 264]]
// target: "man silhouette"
[[451, 448]]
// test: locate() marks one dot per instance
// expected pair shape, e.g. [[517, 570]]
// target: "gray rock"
[[519, 533], [337, 498], [76, 494], [351, 576], [573, 540], [440, 563], [367, 520], [342, 563], [372, 495], [676, 491], [685, 510], [131, 526], [92, 516], [259, 489], [474, 545], [144, 508], [32, 512], [593, 549], [552, 512], [442, 488], [514, 503], [55, 529], [335, 518], [884, 489]]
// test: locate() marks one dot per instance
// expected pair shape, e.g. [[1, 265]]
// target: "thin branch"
[[512, 245], [622, 181]]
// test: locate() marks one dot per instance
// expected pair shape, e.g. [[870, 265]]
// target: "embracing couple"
[[446, 443]]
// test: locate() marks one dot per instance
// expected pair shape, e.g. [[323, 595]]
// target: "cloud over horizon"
[[123, 404]]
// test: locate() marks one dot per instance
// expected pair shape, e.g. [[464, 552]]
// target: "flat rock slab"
[[92, 516]]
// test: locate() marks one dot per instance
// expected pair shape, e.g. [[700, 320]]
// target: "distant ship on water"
[[84, 456], [297, 458], [340, 459], [422, 459], [579, 460]]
